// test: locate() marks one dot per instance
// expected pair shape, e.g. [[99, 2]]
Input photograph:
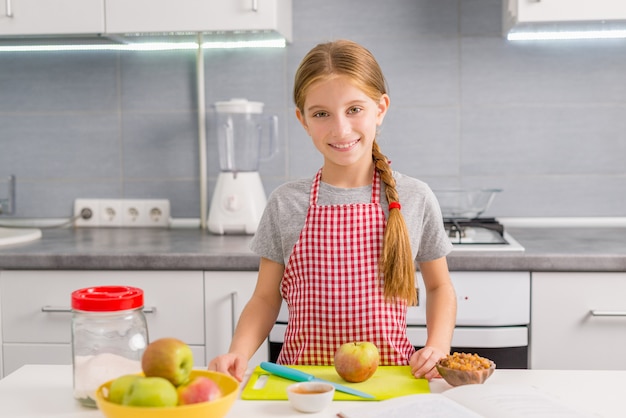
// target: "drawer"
[[484, 298], [177, 298], [578, 320]]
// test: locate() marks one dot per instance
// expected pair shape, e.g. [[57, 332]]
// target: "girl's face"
[[342, 121]]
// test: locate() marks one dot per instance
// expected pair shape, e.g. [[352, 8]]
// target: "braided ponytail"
[[396, 260]]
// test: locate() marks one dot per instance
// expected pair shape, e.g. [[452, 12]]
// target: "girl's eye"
[[319, 114], [354, 110]]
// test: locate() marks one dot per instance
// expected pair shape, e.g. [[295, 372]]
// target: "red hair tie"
[[395, 205]]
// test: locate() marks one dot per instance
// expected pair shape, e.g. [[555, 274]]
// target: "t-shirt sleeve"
[[282, 221], [266, 242]]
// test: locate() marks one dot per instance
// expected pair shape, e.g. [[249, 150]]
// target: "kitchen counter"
[[547, 249], [46, 391]]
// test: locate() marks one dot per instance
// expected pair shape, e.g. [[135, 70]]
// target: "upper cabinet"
[[51, 17], [150, 16], [118, 17], [567, 10], [553, 14]]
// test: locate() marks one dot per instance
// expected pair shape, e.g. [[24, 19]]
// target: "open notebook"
[[470, 401]]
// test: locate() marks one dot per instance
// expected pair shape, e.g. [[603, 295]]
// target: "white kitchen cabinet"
[[33, 333], [578, 321], [226, 294], [522, 13], [127, 16], [51, 17]]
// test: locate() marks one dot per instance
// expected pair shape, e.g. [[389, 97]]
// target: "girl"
[[339, 248]]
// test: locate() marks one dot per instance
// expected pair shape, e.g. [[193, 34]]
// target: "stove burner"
[[475, 231]]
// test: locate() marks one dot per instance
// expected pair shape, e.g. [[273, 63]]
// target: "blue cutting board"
[[388, 382]]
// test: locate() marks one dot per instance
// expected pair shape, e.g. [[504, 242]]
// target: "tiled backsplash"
[[545, 121]]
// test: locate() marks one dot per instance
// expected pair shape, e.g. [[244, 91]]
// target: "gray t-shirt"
[[285, 213]]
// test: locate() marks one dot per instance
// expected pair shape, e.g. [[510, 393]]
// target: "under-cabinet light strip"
[[566, 35], [147, 46]]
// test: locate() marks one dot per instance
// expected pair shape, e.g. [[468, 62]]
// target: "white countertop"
[[46, 391]]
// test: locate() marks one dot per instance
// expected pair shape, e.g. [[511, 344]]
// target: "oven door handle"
[[598, 312]]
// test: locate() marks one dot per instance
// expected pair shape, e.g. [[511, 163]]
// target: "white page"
[[470, 401], [421, 405], [511, 401]]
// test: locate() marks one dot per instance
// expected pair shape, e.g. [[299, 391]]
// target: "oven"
[[493, 316]]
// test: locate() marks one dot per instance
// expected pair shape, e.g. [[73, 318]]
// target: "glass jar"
[[109, 336]]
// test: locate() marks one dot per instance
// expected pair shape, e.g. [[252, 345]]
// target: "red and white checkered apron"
[[332, 288]]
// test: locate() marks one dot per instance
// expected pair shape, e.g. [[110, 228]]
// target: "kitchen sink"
[[10, 236]]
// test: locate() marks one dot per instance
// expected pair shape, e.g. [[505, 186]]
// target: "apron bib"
[[332, 288]]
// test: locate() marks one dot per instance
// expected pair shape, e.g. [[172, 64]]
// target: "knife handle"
[[286, 372]]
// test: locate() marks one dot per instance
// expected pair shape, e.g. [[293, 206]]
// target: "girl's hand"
[[423, 362], [231, 363]]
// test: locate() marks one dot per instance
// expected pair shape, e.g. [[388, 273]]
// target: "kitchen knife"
[[300, 376]]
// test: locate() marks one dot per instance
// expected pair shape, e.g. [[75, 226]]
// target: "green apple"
[[200, 389], [169, 358], [151, 391], [357, 361], [120, 386]]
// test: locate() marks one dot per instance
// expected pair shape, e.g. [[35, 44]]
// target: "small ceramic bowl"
[[458, 377], [310, 396]]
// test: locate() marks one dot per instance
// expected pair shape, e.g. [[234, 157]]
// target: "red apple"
[[357, 361], [168, 358], [200, 389]]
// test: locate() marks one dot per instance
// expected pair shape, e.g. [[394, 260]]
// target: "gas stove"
[[480, 234]]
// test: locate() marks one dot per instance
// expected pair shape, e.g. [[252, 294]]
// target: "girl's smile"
[[345, 147]]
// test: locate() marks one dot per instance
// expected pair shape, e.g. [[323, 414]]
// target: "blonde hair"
[[348, 58]]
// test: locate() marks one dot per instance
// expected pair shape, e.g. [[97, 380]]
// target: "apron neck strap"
[[315, 188]]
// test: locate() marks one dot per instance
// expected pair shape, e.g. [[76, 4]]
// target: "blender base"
[[237, 204]]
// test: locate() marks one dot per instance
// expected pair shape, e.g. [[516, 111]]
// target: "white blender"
[[239, 198]]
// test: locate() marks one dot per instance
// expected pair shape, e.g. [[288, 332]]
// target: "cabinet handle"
[[9, 5], [55, 309], [233, 312], [255, 5], [65, 309], [596, 312]]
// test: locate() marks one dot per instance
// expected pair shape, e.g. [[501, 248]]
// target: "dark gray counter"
[[547, 249]]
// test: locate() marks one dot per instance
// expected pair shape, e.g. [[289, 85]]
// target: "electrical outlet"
[[157, 212], [122, 213], [90, 216], [132, 213], [110, 213]]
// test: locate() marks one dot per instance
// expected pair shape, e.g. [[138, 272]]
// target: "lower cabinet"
[[578, 321], [226, 294], [36, 317], [200, 308]]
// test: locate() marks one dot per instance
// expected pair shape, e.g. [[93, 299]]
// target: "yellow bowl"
[[213, 409], [456, 377]]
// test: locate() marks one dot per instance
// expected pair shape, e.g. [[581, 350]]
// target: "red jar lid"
[[107, 298]]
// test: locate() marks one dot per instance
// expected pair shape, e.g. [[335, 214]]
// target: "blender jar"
[[241, 129]]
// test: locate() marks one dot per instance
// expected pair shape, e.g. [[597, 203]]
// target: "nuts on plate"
[[464, 361], [462, 368]]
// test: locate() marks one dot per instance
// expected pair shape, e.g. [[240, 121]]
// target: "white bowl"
[[310, 396]]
